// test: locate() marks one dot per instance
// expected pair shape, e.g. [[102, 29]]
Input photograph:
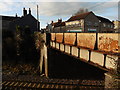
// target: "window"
[[92, 29], [96, 24], [89, 23], [104, 25], [111, 26]]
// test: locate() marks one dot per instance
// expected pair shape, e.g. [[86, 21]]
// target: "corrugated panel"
[[53, 36], [86, 40], [108, 42], [69, 38], [59, 37]]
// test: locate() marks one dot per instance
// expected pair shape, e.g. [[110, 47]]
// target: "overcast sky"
[[54, 9]]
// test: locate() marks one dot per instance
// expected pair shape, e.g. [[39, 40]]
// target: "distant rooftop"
[[9, 17], [79, 16]]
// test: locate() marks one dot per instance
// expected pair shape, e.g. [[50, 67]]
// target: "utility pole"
[[37, 19]]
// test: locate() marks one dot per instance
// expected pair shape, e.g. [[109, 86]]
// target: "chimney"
[[59, 20], [29, 11], [16, 15], [51, 22], [24, 12]]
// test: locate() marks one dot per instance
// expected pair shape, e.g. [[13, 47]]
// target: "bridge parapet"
[[108, 42], [86, 40], [83, 46]]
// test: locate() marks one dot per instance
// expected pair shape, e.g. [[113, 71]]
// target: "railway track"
[[53, 84]]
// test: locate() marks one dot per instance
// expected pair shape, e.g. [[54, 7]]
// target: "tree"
[[81, 10]]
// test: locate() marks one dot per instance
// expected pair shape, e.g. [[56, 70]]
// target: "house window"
[[89, 23], [92, 29], [96, 24], [111, 26], [104, 25]]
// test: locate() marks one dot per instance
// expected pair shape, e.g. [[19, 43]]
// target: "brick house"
[[88, 22], [105, 25], [56, 27], [85, 22]]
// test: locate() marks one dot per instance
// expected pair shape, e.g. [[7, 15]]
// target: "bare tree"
[[81, 10]]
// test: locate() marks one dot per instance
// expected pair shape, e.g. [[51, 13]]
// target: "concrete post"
[[46, 63], [111, 78], [43, 58], [111, 82], [41, 61]]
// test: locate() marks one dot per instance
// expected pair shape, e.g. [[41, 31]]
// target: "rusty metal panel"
[[108, 42], [86, 40], [53, 36], [59, 37], [69, 38]]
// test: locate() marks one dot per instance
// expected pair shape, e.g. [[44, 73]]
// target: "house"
[[57, 27], [116, 25], [85, 22], [88, 22], [10, 23], [26, 21], [105, 25]]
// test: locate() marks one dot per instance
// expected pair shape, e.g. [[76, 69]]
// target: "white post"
[[43, 58]]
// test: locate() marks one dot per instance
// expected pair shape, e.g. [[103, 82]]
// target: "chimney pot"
[[29, 11], [24, 12], [60, 20]]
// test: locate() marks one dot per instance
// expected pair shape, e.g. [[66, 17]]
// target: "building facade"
[[105, 25], [56, 27], [89, 22], [85, 22], [116, 26]]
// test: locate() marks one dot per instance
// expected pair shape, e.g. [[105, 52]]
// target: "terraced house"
[[88, 22]]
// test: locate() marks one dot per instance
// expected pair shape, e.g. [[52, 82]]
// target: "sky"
[[52, 10]]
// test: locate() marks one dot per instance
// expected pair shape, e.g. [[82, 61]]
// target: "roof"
[[104, 20], [57, 24], [79, 16], [10, 18], [28, 15]]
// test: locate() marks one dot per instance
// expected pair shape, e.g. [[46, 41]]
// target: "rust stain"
[[86, 40], [70, 38], [108, 44], [59, 37], [53, 36]]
